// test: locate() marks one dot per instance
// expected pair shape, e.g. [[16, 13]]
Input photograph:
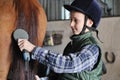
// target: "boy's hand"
[[37, 77], [25, 44]]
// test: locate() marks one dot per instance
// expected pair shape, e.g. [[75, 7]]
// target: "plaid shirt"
[[74, 62]]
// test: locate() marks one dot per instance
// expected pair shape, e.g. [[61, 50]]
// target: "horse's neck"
[[7, 25], [4, 3], [7, 12]]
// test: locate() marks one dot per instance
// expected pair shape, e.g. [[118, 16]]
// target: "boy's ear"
[[89, 23]]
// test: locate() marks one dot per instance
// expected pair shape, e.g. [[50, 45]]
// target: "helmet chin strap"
[[90, 29], [84, 27]]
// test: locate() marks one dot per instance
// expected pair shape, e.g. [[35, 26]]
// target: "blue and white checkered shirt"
[[72, 63]]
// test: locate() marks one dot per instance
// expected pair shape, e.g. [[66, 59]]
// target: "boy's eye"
[[75, 20]]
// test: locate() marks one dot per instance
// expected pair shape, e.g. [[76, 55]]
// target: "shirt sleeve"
[[72, 63]]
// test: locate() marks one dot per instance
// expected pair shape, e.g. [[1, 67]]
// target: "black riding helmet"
[[88, 7]]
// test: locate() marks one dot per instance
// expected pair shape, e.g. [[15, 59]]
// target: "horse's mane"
[[27, 11]]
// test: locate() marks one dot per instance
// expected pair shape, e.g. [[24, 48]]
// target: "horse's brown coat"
[[8, 23]]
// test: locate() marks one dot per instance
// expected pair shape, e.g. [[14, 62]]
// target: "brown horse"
[[28, 15]]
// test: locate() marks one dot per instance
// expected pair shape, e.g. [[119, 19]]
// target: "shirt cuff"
[[35, 52], [44, 78]]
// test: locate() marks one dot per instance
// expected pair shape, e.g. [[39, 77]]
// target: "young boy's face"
[[77, 22]]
